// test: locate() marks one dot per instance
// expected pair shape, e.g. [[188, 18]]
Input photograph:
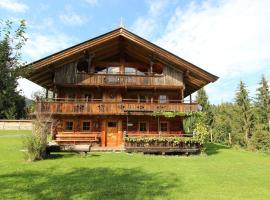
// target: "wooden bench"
[[77, 137], [52, 147]]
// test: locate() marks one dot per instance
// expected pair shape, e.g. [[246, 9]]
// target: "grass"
[[221, 174], [7, 132]]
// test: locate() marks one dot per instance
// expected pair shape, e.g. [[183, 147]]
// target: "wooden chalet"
[[106, 89]]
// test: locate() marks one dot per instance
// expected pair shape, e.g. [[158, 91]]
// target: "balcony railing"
[[111, 108], [124, 80]]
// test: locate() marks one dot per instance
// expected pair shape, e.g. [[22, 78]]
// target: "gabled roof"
[[110, 44]]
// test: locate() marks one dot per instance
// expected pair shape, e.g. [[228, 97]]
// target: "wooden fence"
[[16, 125]]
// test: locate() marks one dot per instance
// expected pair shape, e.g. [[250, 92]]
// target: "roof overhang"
[[111, 43]]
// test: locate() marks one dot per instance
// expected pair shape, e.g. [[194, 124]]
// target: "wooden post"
[[230, 139], [47, 93], [90, 67], [211, 135], [151, 66], [182, 95], [103, 133], [127, 126], [158, 126], [120, 133]]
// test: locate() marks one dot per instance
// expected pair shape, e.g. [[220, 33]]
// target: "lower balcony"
[[110, 108]]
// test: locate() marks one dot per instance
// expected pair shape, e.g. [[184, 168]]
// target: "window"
[[112, 124], [82, 66], [130, 70], [69, 126], [86, 126], [142, 99], [163, 126], [88, 97], [143, 126], [162, 98], [113, 70]]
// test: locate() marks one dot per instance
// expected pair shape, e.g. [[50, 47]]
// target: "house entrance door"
[[112, 133]]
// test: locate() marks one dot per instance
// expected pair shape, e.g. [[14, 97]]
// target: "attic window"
[[82, 66]]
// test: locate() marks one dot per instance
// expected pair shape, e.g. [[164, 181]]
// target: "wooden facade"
[[109, 88]]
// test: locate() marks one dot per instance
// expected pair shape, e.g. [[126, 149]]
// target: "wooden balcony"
[[122, 80], [110, 108]]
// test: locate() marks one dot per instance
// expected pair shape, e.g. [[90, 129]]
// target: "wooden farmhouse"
[[110, 88]]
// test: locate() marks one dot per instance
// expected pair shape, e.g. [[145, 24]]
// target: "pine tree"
[[11, 42], [244, 108], [262, 105], [202, 100]]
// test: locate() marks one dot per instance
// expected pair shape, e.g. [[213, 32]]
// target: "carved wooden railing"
[[121, 80], [110, 108]]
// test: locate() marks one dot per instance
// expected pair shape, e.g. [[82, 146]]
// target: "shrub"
[[260, 140], [35, 144], [201, 132], [35, 147]]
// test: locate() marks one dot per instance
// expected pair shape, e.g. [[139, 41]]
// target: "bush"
[[35, 144], [260, 140], [35, 147]]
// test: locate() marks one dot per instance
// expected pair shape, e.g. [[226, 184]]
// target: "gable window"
[[164, 127], [143, 127], [130, 70], [163, 99], [69, 126], [86, 126], [82, 66]]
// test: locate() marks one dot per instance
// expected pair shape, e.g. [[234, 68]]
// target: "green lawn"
[[6, 132], [222, 174]]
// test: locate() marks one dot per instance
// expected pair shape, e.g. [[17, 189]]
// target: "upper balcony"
[[98, 107], [119, 77], [120, 80]]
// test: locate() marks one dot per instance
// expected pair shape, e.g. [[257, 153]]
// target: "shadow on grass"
[[213, 148], [85, 183]]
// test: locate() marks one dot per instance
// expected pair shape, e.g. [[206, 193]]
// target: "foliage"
[[201, 132], [35, 143], [171, 114], [12, 39], [175, 140], [260, 140], [200, 136], [202, 100], [223, 122], [245, 112], [262, 105]]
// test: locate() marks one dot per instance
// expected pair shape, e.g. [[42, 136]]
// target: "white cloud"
[[13, 5], [27, 88], [70, 17], [44, 38], [146, 25], [39, 45], [226, 38]]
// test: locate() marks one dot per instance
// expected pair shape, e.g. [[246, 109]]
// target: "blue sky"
[[229, 38]]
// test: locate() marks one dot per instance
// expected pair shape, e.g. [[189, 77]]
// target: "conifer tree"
[[202, 100], [244, 108], [262, 105]]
